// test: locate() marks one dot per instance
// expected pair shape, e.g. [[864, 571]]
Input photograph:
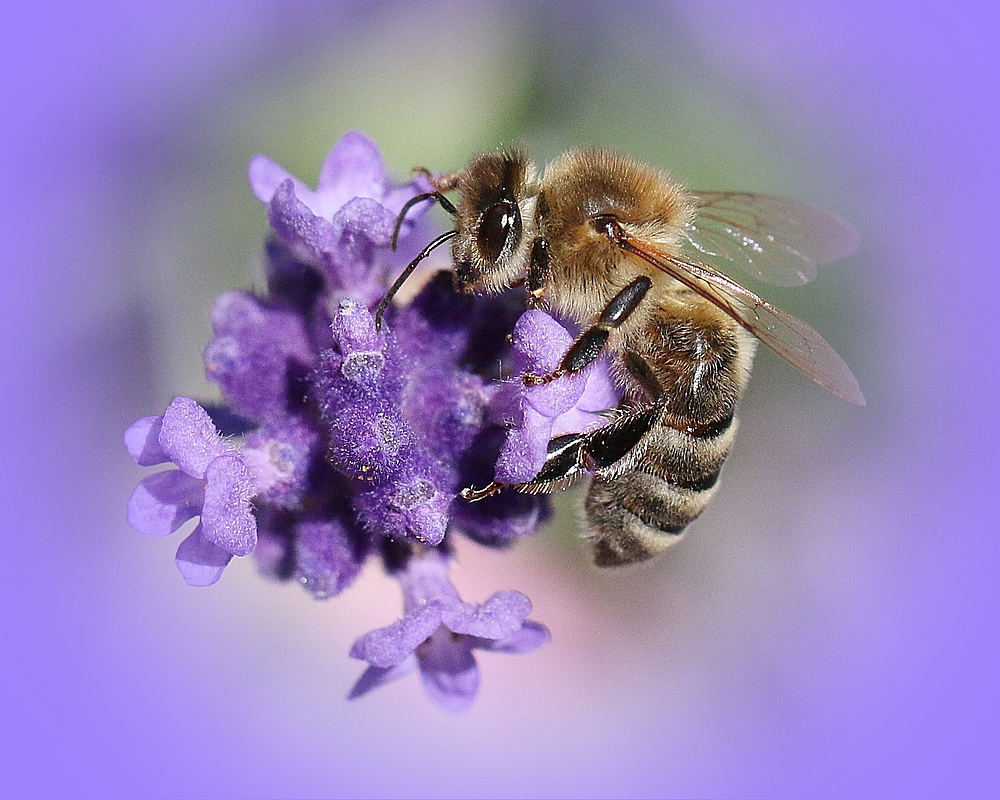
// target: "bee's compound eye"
[[501, 222]]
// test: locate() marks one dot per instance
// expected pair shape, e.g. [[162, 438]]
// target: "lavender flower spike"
[[211, 481], [357, 441], [402, 489], [438, 633]]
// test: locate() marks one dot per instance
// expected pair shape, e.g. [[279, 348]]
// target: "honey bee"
[[635, 259]]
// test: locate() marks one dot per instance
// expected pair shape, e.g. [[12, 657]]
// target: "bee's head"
[[496, 221]]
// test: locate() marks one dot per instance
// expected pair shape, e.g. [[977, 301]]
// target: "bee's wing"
[[777, 240], [788, 336]]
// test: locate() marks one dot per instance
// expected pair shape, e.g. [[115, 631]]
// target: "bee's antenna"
[[446, 204], [382, 306]]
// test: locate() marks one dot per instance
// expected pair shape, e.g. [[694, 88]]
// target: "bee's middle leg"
[[589, 344]]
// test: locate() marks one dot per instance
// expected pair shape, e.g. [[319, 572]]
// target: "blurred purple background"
[[829, 628]]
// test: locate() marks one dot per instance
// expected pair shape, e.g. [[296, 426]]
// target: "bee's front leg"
[[538, 273], [442, 181]]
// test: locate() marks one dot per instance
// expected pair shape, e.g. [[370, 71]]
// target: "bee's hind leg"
[[564, 463], [573, 455]]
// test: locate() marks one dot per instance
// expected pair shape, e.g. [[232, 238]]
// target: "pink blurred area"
[[829, 628]]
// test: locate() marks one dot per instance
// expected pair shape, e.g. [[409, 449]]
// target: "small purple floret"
[[211, 481], [345, 224], [439, 632]]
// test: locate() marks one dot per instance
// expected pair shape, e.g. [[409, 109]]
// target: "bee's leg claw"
[[474, 495], [530, 379], [442, 181]]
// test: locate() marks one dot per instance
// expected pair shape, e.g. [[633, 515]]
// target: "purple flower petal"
[[352, 169], [448, 670], [425, 581], [199, 561], [142, 441], [354, 329], [524, 451], [395, 198], [388, 646], [540, 342], [536, 414], [442, 631], [266, 176], [525, 639], [362, 229], [226, 518], [498, 617], [189, 437], [327, 558], [559, 396], [345, 225], [373, 677], [164, 501], [601, 392], [576, 421], [293, 220], [365, 217]]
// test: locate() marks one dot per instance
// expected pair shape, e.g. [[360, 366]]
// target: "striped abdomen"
[[692, 367]]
